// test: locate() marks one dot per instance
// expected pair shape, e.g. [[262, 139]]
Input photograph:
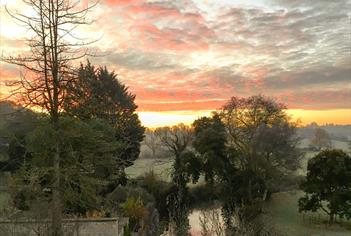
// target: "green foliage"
[[134, 209], [126, 231], [186, 167], [244, 148], [209, 141], [178, 205], [86, 160], [97, 93], [204, 195], [114, 200], [159, 190], [328, 184], [16, 123]]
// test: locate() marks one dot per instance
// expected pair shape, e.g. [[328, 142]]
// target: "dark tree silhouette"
[[186, 167], [97, 93], [261, 131], [209, 141], [47, 67], [328, 184], [16, 123]]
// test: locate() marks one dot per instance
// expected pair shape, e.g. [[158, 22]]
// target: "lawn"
[[161, 167], [282, 213]]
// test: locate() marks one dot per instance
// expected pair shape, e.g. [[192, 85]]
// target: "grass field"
[[282, 213], [161, 167]]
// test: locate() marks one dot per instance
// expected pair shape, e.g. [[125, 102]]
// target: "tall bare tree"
[[48, 66]]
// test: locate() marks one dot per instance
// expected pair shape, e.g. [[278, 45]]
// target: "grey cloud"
[[296, 35], [227, 77], [137, 60], [330, 76]]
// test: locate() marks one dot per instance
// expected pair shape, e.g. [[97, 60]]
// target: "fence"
[[71, 227]]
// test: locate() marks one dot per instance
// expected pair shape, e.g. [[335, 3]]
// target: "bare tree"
[[151, 141], [259, 128], [176, 138], [321, 139], [48, 66]]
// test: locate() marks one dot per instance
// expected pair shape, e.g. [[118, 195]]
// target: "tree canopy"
[[87, 162], [244, 147], [97, 93], [16, 123], [261, 131], [328, 184], [210, 142]]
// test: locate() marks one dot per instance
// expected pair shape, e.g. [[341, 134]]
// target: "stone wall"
[[72, 227]]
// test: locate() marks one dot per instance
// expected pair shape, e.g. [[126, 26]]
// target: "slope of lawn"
[[161, 167], [282, 213]]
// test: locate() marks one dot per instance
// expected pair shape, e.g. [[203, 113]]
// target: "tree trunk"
[[56, 197], [331, 218]]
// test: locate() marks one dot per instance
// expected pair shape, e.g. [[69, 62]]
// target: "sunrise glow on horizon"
[[305, 117], [184, 59]]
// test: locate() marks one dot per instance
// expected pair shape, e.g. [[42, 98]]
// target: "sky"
[[185, 58]]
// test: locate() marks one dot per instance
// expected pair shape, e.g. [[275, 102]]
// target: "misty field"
[[281, 212]]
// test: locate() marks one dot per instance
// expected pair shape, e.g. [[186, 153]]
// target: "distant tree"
[[321, 139], [313, 125], [97, 93], [151, 141], [176, 138], [259, 129], [328, 184], [186, 167]]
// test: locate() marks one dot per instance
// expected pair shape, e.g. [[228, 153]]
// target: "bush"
[[159, 190], [120, 195], [134, 209], [203, 195]]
